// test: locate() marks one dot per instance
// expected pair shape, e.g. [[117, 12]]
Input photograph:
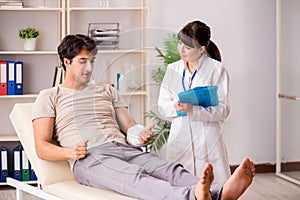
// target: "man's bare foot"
[[239, 181], [203, 186]]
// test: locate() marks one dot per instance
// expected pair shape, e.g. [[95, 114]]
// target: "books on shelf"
[[11, 78], [11, 4], [59, 75]]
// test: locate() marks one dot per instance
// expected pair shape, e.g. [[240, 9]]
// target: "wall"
[[245, 33]]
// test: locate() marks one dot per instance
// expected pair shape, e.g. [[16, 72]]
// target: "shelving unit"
[[38, 65], [59, 18]]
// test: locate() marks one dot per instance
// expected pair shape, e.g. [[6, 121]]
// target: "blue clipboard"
[[200, 96]]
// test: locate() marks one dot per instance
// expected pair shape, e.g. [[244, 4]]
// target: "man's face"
[[81, 67]]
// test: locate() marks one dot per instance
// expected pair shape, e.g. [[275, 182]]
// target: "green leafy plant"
[[162, 128], [28, 33], [161, 131], [171, 55]]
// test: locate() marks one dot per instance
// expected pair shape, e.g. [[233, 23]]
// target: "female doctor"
[[195, 135]]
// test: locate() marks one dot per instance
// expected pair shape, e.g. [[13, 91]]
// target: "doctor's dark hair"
[[196, 34], [71, 46]]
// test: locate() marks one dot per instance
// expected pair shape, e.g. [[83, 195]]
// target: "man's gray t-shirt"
[[86, 115]]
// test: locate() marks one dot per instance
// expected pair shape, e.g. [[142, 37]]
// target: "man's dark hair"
[[71, 45]]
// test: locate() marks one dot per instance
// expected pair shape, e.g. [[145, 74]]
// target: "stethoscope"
[[189, 124]]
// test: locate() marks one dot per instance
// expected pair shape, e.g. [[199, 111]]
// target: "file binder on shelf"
[[19, 78], [17, 155], [3, 164], [3, 78], [58, 76], [33, 176], [25, 167], [11, 84]]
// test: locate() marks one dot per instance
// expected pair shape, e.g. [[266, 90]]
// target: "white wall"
[[244, 30]]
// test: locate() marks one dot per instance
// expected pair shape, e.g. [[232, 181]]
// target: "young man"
[[88, 120]]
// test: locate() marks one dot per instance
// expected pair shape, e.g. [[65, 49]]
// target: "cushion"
[[71, 190]]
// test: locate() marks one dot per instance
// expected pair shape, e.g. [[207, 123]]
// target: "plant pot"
[[29, 44]]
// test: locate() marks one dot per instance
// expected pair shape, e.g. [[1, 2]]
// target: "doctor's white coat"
[[196, 138]]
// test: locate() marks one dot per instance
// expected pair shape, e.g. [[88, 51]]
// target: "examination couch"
[[55, 179]]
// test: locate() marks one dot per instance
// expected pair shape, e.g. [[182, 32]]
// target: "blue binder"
[[200, 96], [3, 164], [19, 78], [11, 77], [33, 176], [17, 156]]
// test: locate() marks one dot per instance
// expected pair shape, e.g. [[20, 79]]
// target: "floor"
[[264, 187], [270, 187]]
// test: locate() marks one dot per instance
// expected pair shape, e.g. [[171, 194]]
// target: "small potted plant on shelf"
[[29, 36]]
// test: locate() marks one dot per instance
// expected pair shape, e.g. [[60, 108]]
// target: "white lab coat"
[[196, 138]]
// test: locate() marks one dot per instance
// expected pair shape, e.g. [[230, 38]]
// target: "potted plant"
[[162, 128], [29, 36]]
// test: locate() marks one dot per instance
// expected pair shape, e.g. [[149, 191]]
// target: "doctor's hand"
[[146, 135], [79, 150], [183, 107]]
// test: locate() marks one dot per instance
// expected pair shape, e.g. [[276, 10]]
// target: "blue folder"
[[19, 78], [17, 156], [11, 76], [3, 164], [33, 176], [200, 96]]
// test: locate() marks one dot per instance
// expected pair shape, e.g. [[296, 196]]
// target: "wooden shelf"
[[134, 93], [9, 138], [107, 8], [117, 51], [38, 9], [28, 52], [120, 51], [23, 96], [28, 182]]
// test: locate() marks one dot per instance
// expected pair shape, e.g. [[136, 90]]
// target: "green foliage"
[[171, 55], [162, 128], [28, 33], [171, 52], [158, 75], [161, 131]]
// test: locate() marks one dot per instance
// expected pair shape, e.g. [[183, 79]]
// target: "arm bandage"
[[133, 135]]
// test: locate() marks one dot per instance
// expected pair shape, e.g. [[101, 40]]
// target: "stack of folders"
[[59, 75], [3, 164], [11, 78], [11, 4], [22, 166], [106, 35]]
